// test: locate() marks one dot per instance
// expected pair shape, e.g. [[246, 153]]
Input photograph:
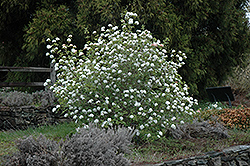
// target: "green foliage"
[[48, 22], [214, 34]]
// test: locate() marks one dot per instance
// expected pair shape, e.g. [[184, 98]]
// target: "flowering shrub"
[[127, 77]]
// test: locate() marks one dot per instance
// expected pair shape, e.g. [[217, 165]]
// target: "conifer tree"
[[214, 34]]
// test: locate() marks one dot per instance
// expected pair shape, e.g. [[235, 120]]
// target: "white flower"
[[173, 126], [131, 116], [149, 135], [73, 50], [121, 118], [45, 84], [66, 115], [102, 29], [49, 46], [80, 117], [70, 36], [182, 122], [141, 127], [91, 115], [109, 119], [160, 133], [137, 104], [54, 109], [167, 102], [68, 40], [150, 110], [173, 118], [130, 21], [136, 22], [75, 116], [96, 121]]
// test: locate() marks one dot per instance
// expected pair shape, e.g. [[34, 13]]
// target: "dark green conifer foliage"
[[213, 33]]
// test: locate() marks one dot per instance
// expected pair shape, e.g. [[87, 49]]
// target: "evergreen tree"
[[214, 34]]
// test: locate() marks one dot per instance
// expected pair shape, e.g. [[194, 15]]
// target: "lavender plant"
[[90, 146], [38, 98], [127, 77]]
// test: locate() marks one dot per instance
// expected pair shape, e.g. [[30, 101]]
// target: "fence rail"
[[50, 70]]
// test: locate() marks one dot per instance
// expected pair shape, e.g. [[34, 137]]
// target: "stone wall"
[[233, 156], [27, 116]]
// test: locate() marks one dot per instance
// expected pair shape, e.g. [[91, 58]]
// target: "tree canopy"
[[214, 34]]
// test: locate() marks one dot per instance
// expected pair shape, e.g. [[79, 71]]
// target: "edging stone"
[[232, 156]]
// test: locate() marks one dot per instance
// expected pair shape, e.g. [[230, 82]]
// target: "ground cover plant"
[[125, 77]]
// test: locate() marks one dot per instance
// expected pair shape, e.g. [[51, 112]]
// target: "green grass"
[[156, 152]]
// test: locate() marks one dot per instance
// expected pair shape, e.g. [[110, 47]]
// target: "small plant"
[[90, 146], [208, 111], [238, 117], [127, 77], [15, 98], [38, 98], [235, 118], [199, 130]]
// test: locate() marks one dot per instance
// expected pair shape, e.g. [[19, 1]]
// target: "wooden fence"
[[50, 70]]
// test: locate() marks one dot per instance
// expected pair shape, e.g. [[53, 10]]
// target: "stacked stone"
[[233, 156], [28, 116]]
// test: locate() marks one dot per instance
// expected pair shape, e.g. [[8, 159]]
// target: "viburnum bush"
[[126, 77]]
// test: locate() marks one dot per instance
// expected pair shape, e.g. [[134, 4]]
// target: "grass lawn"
[[141, 154]]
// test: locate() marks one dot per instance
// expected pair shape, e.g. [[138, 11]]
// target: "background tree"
[[14, 15], [213, 33]]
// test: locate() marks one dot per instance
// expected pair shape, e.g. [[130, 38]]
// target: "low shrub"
[[89, 146], [199, 130], [235, 118], [230, 117], [38, 98]]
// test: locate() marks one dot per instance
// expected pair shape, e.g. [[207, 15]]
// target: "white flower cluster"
[[125, 79]]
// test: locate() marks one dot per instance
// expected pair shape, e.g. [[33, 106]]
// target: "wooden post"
[[52, 73]]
